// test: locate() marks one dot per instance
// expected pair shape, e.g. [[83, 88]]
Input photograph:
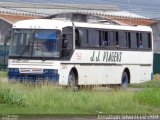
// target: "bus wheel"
[[124, 80], [72, 81]]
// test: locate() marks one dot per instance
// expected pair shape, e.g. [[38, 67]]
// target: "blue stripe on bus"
[[54, 77]]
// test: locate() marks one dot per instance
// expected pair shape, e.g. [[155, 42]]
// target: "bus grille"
[[31, 70]]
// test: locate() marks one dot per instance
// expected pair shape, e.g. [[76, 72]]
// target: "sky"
[[145, 8]]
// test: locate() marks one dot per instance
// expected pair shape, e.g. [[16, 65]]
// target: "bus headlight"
[[13, 70], [50, 71]]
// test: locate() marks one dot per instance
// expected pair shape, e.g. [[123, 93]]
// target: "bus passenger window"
[[93, 37], [129, 40], [122, 37], [140, 44], [149, 41], [83, 39], [139, 40], [105, 39], [145, 41], [100, 38], [133, 40], [77, 38], [117, 40], [111, 40]]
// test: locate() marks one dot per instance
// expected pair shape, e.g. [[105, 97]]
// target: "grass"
[[50, 99], [3, 74], [150, 96], [150, 84]]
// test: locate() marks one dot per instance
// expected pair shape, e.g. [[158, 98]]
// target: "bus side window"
[[149, 41], [93, 37], [82, 38], [67, 41], [116, 39], [105, 39], [122, 37], [146, 40], [77, 37], [133, 40], [100, 38], [111, 40], [129, 40], [139, 40]]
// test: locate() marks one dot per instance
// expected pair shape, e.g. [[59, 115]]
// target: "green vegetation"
[[149, 96], [151, 84], [26, 98], [51, 99], [11, 97], [3, 74]]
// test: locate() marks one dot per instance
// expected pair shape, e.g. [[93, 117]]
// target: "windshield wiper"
[[43, 58]]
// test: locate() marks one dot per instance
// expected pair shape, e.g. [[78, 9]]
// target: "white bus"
[[74, 53]]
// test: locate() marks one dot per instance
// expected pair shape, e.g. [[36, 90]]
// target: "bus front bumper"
[[48, 74]]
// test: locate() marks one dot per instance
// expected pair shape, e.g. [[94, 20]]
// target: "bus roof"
[[59, 24], [41, 24]]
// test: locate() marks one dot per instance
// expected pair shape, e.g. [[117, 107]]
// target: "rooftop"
[[44, 10], [12, 18], [13, 12]]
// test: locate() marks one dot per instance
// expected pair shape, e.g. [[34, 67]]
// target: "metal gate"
[[156, 63]]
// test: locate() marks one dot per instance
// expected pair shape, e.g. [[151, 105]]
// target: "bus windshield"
[[35, 43]]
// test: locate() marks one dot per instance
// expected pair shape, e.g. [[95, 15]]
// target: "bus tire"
[[72, 81], [124, 80]]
